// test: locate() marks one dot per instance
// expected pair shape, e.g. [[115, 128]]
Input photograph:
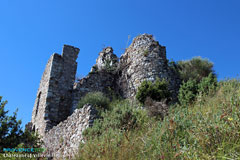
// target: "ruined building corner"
[[54, 96]]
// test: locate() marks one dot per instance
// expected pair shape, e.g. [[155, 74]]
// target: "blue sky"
[[31, 30]]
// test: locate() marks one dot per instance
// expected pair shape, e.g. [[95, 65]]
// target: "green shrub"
[[12, 135], [196, 68], [156, 91], [207, 130], [188, 92], [122, 117], [208, 84], [97, 99]]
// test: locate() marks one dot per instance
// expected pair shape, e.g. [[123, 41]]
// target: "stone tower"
[[54, 96], [144, 59]]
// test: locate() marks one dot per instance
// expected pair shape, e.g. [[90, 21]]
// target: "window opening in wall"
[[38, 101]]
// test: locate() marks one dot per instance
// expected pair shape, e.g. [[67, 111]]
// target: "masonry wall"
[[58, 95], [101, 81], [102, 77], [54, 97], [38, 114], [145, 59], [63, 140]]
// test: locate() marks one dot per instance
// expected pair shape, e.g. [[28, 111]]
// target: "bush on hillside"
[[97, 99], [207, 84], [156, 91], [196, 68], [188, 92], [122, 117], [207, 130]]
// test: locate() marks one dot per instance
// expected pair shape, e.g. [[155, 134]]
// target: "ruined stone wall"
[[102, 77], [38, 113], [54, 97], [58, 95], [101, 81], [145, 59], [63, 140]]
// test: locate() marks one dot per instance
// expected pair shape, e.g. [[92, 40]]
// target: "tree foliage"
[[197, 68], [10, 130], [188, 92], [191, 89], [11, 133], [207, 84]]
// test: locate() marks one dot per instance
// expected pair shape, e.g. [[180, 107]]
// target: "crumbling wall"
[[38, 114], [58, 95], [63, 140], [54, 96], [145, 59], [102, 77]]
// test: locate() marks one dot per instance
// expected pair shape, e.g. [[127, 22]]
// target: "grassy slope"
[[209, 129]]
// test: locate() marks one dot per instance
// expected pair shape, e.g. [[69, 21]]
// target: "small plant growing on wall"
[[156, 91], [109, 67], [145, 53]]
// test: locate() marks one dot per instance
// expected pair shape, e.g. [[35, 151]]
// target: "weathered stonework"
[[54, 96], [101, 78], [58, 94], [63, 140], [145, 59], [107, 60]]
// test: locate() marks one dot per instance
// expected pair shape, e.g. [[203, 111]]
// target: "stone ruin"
[[58, 93], [54, 96]]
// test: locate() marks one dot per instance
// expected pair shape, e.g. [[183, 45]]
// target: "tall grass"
[[207, 129]]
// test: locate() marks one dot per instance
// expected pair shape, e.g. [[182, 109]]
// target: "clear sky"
[[31, 30]]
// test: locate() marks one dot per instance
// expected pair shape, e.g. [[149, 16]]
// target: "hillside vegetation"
[[207, 129], [204, 124]]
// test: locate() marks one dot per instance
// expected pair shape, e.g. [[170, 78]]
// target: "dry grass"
[[208, 129]]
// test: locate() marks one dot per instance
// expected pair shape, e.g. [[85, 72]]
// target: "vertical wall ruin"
[[58, 95], [54, 96], [102, 77], [143, 60]]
